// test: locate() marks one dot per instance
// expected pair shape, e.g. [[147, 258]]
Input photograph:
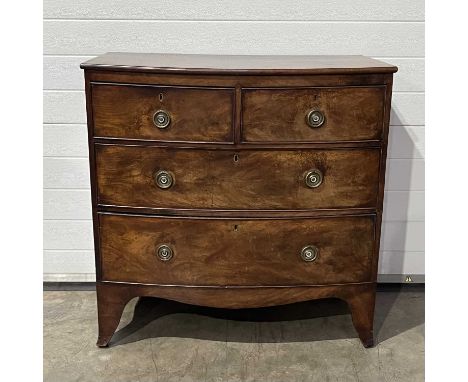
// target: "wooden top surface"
[[227, 64]]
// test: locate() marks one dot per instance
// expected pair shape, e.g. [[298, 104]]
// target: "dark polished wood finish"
[[247, 179], [219, 252], [236, 64], [279, 115], [239, 212], [197, 114]]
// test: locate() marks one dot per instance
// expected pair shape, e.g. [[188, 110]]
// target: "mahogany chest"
[[237, 181]]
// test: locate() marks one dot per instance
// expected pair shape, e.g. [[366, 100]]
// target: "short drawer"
[[225, 252], [157, 177], [163, 113], [313, 114]]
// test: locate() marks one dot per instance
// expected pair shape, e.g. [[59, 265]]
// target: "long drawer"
[[154, 177], [332, 114], [229, 252]]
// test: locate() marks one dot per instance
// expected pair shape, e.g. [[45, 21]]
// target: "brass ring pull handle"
[[309, 253], [313, 178], [164, 179], [161, 119], [164, 252], [315, 118]]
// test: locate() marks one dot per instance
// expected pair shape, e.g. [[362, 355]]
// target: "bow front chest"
[[237, 181]]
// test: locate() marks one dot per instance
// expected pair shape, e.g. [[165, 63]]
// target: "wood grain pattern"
[[236, 252], [239, 212], [272, 115], [197, 114], [264, 179]]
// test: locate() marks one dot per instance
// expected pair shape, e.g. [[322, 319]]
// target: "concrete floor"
[[168, 341]]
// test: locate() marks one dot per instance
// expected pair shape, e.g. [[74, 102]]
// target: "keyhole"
[[160, 97], [236, 157], [236, 227]]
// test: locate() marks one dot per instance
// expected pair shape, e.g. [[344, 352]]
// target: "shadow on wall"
[[396, 243]]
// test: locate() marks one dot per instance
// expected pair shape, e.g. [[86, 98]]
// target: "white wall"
[[75, 30]]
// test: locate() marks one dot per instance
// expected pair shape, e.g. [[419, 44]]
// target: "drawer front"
[[247, 179], [312, 114], [192, 114], [235, 252]]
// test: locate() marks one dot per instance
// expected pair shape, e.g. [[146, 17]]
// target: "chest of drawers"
[[237, 181]]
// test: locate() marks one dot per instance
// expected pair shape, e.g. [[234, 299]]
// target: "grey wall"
[[76, 30]]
